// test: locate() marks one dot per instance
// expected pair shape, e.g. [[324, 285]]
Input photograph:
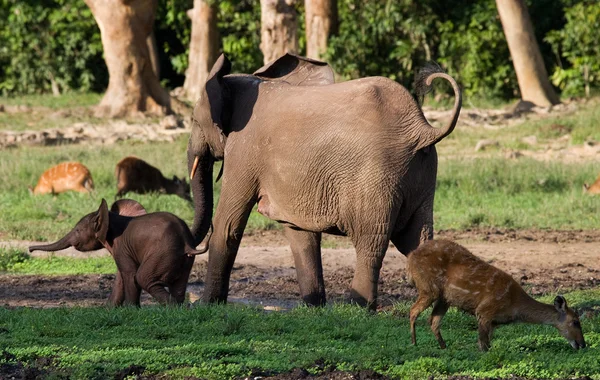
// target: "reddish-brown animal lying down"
[[449, 275], [594, 188], [64, 177], [134, 174]]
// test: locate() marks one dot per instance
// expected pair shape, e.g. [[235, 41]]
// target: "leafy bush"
[[580, 47], [49, 43], [388, 38], [473, 49], [11, 256], [46, 43]]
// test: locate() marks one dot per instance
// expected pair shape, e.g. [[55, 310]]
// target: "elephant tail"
[[422, 86], [191, 251]]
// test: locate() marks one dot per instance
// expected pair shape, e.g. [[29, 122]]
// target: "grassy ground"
[[226, 342], [484, 191]]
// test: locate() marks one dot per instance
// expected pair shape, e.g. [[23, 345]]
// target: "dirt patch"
[[265, 275]]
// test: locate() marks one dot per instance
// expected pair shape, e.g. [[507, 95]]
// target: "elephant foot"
[[357, 299]]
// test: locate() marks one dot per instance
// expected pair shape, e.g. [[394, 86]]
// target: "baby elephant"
[[134, 174], [449, 275], [152, 251]]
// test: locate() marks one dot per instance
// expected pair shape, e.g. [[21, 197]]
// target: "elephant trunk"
[[423, 85], [201, 173], [63, 243]]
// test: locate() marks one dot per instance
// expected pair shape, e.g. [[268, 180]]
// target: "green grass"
[[470, 192], [229, 341], [18, 262], [474, 188], [69, 99], [515, 194], [48, 217]]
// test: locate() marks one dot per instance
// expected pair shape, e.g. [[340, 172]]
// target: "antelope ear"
[[100, 222], [560, 304], [297, 71]]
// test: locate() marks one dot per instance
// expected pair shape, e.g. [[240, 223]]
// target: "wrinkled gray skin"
[[354, 158], [152, 251]]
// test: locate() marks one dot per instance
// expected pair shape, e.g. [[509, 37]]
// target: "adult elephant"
[[355, 158]]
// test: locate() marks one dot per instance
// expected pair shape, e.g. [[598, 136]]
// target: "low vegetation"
[[235, 341]]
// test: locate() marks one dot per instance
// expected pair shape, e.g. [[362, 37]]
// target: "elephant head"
[[213, 119], [91, 231]]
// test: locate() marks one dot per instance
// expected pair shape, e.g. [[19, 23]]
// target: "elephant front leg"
[[370, 251], [230, 220], [132, 289], [117, 295], [306, 247]]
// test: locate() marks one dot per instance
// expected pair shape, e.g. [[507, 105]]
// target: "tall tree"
[[133, 87], [532, 75], [204, 47], [321, 22], [279, 28]]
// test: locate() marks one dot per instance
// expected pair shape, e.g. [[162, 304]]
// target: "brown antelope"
[[594, 188], [64, 177], [449, 275], [134, 174]]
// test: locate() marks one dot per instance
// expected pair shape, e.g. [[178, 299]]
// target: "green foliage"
[[58, 40], [42, 42], [11, 257], [580, 47], [221, 342], [389, 38], [473, 49]]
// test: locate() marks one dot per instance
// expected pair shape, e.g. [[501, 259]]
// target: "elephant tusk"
[[194, 167]]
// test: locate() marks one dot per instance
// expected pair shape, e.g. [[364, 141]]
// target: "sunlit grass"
[[218, 342]]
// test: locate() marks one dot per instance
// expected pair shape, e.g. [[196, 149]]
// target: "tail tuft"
[[420, 84]]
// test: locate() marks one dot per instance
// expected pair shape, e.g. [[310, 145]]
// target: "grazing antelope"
[[134, 174], [449, 275], [594, 188], [64, 177]]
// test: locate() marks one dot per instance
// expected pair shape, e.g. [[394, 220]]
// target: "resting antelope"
[[594, 188], [449, 275], [134, 174], [64, 177]]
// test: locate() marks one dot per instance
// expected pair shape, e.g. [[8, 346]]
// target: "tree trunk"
[[279, 26], [321, 23], [532, 75], [153, 50], [133, 87], [204, 47]]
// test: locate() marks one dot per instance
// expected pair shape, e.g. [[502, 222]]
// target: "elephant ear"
[[297, 71], [100, 222], [128, 207], [214, 94]]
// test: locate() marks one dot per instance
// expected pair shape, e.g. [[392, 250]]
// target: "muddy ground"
[[264, 275]]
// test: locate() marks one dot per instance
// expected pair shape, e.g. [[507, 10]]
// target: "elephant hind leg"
[[156, 288], [418, 230], [177, 288], [306, 247], [370, 251]]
